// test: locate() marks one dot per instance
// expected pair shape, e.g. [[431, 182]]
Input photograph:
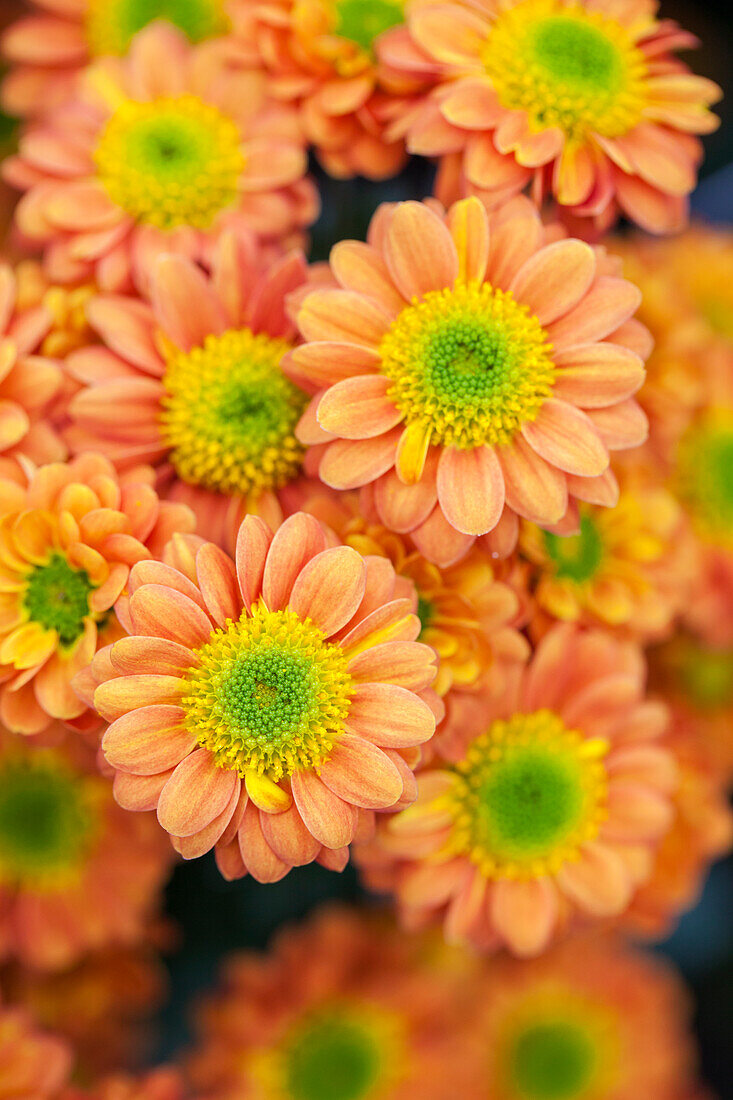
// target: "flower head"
[[469, 380], [76, 873], [197, 371], [341, 1008], [547, 812], [68, 536], [33, 1064], [584, 100], [267, 709], [168, 149]]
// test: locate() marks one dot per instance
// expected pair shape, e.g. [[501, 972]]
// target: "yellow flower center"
[[527, 794], [171, 161], [567, 66], [111, 24], [229, 414], [469, 363], [270, 695]]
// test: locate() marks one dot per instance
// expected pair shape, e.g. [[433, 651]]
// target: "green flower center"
[[705, 472], [229, 414], [270, 694], [553, 1061], [361, 21], [576, 557], [57, 597], [469, 363], [573, 69], [171, 161], [527, 794], [46, 820], [333, 1058], [111, 24]]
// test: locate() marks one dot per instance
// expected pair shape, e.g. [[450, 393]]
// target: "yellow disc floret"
[[469, 363], [270, 695], [171, 161]]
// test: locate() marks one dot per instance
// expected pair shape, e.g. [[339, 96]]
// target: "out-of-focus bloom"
[[466, 614], [340, 1007], [549, 811], [33, 1064], [582, 99], [50, 47], [473, 368], [158, 153], [68, 536], [102, 1006], [192, 383], [76, 872], [628, 567], [319, 55], [160, 1084], [269, 709], [591, 1020]]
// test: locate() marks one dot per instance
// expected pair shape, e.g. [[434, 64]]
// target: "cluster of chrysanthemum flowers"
[[420, 558]]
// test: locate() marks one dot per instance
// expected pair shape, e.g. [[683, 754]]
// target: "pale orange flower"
[[546, 813], [33, 1064], [191, 381], [77, 873], [267, 709], [472, 368], [68, 536], [583, 100], [158, 152]]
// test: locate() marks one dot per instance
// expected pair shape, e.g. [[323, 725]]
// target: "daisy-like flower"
[[628, 566], [76, 872], [582, 99], [158, 152], [197, 373], [267, 709], [33, 1064], [549, 813], [591, 1020], [50, 46], [319, 55], [340, 1008], [471, 368], [68, 536]]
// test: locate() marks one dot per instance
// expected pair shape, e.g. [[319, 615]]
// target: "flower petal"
[[358, 408], [328, 818], [217, 578], [166, 613], [597, 882], [419, 250], [289, 838], [471, 489], [195, 794], [148, 740], [555, 279], [361, 774], [525, 914], [261, 862], [566, 438], [329, 589], [253, 542], [389, 715], [299, 539], [408, 664]]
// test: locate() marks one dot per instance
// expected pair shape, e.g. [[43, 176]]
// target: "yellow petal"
[[412, 451], [266, 794], [29, 645]]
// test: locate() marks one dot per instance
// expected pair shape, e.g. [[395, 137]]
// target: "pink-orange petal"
[[140, 654], [471, 489], [148, 740], [566, 438], [358, 408], [390, 715], [329, 589], [597, 882], [166, 613], [195, 794], [253, 542], [299, 539], [217, 577], [261, 862], [419, 250], [289, 838], [328, 818], [361, 774], [524, 913], [555, 279], [534, 488], [408, 664]]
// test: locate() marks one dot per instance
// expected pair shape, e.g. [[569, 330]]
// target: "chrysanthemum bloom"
[[68, 536], [159, 1084], [627, 567], [157, 153], [592, 1020], [266, 710], [49, 47], [339, 1008], [471, 371], [582, 99], [33, 1064], [319, 55], [550, 813], [76, 872], [192, 383]]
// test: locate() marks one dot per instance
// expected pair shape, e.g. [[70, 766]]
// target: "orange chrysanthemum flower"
[[584, 99], [591, 1020], [628, 566], [267, 710], [68, 536], [50, 47], [192, 383], [33, 1064], [160, 1084], [76, 872], [548, 811], [340, 1007], [158, 153], [466, 614], [474, 369], [319, 56]]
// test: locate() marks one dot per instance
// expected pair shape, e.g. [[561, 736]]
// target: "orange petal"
[[419, 250], [360, 267], [185, 304], [361, 774], [636, 813], [524, 914], [139, 792], [327, 817], [597, 375], [351, 463], [141, 654], [389, 715], [326, 361], [289, 838], [299, 539], [412, 452], [253, 542], [358, 408], [471, 489], [469, 227], [608, 303], [258, 856], [597, 882], [566, 438], [116, 697], [450, 34], [555, 279], [408, 664], [148, 740], [534, 489], [394, 622], [329, 589], [402, 507], [166, 613], [343, 316], [217, 579], [195, 794], [267, 795]]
